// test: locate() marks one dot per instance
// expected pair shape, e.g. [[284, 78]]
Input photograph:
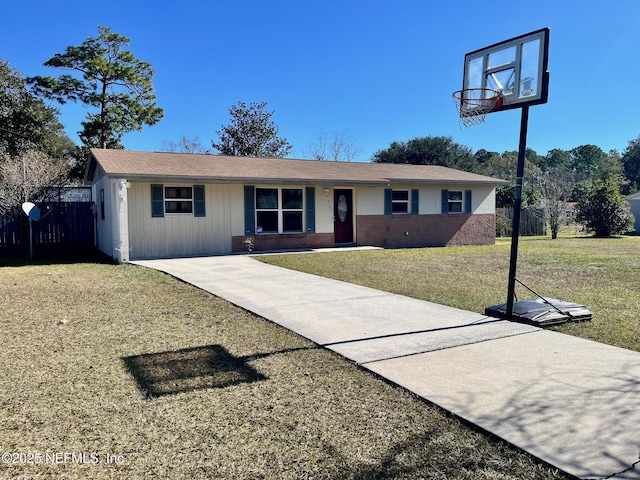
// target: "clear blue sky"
[[383, 71]]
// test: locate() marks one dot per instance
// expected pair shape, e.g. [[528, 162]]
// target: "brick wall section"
[[392, 231], [397, 231], [267, 242]]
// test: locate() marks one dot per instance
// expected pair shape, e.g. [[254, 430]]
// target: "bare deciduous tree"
[[338, 146], [556, 186], [184, 145], [29, 177]]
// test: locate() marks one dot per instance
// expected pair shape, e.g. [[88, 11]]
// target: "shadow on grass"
[[55, 257], [428, 453], [190, 369]]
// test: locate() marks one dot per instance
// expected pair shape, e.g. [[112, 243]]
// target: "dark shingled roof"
[[136, 165]]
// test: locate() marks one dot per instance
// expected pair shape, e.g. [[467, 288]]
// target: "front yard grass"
[[122, 372], [602, 273]]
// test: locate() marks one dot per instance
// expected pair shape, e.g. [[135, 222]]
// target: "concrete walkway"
[[570, 402]]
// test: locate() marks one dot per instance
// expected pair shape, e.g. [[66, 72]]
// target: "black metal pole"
[[30, 239], [517, 206]]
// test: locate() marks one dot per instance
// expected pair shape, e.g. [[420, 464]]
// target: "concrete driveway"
[[571, 402]]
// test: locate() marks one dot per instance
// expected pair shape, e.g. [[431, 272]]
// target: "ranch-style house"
[[161, 205]]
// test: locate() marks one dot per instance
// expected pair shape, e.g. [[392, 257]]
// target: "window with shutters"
[[279, 210], [400, 201], [455, 201], [178, 200]]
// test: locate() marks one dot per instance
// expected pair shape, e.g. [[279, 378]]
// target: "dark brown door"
[[343, 215]]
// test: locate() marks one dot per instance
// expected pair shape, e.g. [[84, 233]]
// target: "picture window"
[[279, 210]]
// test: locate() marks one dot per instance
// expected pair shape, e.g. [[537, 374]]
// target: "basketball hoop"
[[473, 104]]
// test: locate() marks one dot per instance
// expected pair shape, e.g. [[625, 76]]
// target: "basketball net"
[[473, 104]]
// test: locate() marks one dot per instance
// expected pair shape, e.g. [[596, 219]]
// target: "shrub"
[[605, 211]]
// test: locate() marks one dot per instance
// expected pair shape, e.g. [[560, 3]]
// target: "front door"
[[343, 215]]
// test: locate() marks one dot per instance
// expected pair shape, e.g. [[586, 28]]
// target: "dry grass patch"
[[120, 360]]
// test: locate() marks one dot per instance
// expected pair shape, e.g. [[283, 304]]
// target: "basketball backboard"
[[516, 68]]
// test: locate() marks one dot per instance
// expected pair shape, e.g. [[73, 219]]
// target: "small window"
[[266, 198], [267, 221], [455, 201], [292, 221], [400, 201], [178, 199], [292, 198]]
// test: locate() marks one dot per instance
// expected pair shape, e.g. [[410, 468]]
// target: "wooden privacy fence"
[[532, 222], [64, 227]]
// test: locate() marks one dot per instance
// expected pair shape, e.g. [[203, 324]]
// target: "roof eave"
[[450, 181], [246, 180]]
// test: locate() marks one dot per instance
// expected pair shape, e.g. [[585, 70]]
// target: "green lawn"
[[142, 376], [604, 274]]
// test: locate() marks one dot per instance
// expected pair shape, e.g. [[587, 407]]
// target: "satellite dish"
[[31, 211]]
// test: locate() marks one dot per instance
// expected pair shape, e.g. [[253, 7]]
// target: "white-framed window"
[[267, 210], [292, 209], [178, 200], [455, 201], [279, 210], [400, 201]]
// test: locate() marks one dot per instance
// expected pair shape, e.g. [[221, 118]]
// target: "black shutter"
[[249, 210], [415, 201], [311, 209], [198, 201], [388, 201], [445, 201], [157, 201]]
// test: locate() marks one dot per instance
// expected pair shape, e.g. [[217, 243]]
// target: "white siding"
[[237, 209], [371, 199], [324, 210], [484, 199], [182, 235]]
